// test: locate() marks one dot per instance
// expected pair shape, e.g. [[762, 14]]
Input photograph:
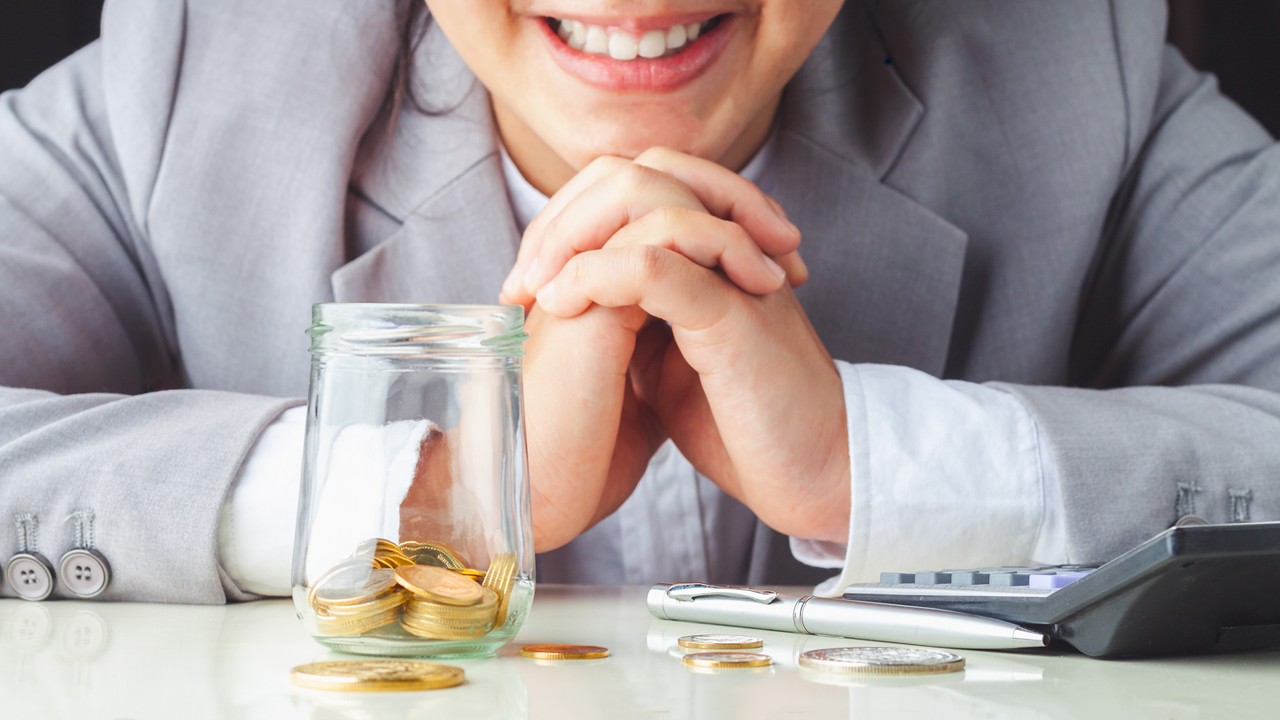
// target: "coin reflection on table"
[[376, 676]]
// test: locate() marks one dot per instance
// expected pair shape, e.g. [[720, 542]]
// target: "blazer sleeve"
[[89, 415], [1177, 347]]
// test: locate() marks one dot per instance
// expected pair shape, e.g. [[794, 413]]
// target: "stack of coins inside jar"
[[422, 589]]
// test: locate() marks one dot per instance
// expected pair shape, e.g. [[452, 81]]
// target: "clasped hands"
[[660, 306]]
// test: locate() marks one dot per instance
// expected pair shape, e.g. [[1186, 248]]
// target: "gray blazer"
[[1039, 195]]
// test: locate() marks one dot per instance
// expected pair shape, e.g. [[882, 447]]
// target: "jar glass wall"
[[414, 533]]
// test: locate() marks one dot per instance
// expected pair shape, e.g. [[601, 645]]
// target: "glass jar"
[[414, 532]]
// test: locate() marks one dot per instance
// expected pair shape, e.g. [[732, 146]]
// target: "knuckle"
[[648, 262], [603, 163], [655, 155], [666, 217]]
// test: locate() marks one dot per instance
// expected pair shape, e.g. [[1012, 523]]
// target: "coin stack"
[[424, 586], [445, 605], [352, 599]]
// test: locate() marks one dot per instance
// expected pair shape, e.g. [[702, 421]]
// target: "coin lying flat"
[[721, 660], [376, 675], [875, 660], [439, 585], [564, 652], [719, 642]]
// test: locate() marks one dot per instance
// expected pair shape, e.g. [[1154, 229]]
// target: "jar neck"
[[417, 331]]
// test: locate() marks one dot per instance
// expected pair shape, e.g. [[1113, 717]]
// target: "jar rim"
[[408, 329]]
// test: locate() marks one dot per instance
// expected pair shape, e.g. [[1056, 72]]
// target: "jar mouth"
[[403, 329]]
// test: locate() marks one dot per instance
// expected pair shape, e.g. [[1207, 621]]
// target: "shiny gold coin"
[[436, 554], [477, 575], [439, 632], [346, 627], [351, 582], [719, 642], [501, 578], [391, 561], [564, 652], [877, 660], [376, 675], [485, 608], [439, 585], [721, 660], [376, 605]]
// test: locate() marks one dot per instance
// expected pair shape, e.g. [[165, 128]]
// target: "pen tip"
[[1031, 638]]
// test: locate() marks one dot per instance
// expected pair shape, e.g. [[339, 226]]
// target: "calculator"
[[1188, 590]]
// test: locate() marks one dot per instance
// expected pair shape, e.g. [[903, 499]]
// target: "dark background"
[[1238, 40]]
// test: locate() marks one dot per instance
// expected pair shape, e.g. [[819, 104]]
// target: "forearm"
[[153, 468]]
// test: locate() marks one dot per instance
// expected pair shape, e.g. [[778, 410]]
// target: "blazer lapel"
[[885, 270], [438, 173]]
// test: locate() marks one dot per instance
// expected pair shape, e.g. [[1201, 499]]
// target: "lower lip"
[[641, 75]]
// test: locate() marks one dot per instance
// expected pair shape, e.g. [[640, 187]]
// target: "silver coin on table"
[[719, 642], [878, 660]]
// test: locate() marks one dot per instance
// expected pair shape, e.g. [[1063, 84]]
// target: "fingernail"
[[774, 267], [530, 278], [547, 295]]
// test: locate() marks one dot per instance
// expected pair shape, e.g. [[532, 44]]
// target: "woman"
[[1039, 203]]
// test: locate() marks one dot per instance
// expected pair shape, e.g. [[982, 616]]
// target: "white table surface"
[[134, 661]]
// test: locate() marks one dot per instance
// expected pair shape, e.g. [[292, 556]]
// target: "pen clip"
[[690, 591]]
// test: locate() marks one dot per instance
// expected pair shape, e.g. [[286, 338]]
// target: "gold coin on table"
[[439, 585], [719, 642], [564, 652], [376, 675], [721, 660], [877, 660]]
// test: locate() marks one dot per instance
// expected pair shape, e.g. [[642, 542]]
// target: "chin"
[[630, 140]]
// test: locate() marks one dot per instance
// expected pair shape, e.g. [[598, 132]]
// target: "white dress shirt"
[[945, 474]]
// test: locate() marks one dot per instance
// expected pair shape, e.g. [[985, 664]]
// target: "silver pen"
[[884, 622]]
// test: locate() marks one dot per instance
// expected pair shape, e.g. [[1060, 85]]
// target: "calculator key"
[[970, 578], [897, 578], [1056, 580], [1009, 579], [933, 578]]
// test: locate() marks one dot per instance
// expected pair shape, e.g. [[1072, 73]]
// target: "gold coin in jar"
[[439, 585]]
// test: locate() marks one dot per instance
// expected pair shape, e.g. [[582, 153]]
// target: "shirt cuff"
[[256, 526], [945, 474]]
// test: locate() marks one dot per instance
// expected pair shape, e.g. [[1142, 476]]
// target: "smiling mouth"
[[619, 44]]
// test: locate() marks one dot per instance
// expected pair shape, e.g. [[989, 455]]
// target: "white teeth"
[[676, 37], [621, 45], [652, 45], [597, 42]]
